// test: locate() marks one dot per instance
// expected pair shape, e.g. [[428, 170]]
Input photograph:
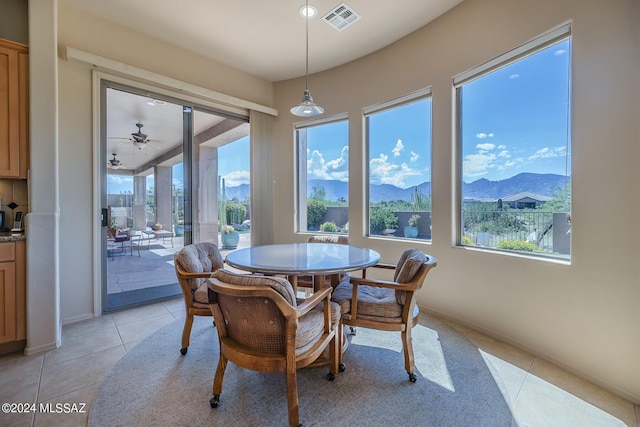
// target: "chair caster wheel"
[[183, 350], [413, 377], [215, 400], [353, 330], [331, 376], [342, 367]]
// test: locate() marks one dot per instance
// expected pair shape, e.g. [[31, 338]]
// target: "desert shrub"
[[517, 245], [382, 219], [329, 227], [236, 213], [316, 209]]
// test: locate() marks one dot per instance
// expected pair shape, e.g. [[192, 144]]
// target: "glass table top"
[[303, 258]]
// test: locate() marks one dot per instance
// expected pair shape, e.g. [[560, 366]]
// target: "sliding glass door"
[[161, 176]]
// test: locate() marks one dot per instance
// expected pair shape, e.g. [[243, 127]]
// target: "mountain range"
[[482, 189]]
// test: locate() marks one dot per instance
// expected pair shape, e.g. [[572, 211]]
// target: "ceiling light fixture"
[[139, 144], [308, 10], [307, 108]]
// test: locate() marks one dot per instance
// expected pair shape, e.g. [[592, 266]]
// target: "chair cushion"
[[282, 286], [201, 296], [199, 258], [373, 303], [408, 265], [311, 326]]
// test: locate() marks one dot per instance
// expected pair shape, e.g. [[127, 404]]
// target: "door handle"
[[103, 217]]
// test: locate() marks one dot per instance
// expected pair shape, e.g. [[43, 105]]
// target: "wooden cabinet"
[[12, 296], [14, 110]]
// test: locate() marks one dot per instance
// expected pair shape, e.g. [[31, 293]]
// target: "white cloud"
[[383, 172], [504, 153], [546, 152], [483, 135], [120, 179], [502, 147], [398, 148], [315, 166], [339, 168], [319, 168], [486, 147], [478, 164], [414, 157], [236, 178], [514, 76], [559, 52]]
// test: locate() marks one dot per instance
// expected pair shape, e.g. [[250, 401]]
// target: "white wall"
[[584, 316]]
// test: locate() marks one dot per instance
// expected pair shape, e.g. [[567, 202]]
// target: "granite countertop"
[[6, 236]]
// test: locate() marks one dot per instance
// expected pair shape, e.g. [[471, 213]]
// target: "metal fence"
[[490, 228]]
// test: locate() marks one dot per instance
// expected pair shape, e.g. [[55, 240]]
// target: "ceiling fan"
[[114, 163], [138, 138]]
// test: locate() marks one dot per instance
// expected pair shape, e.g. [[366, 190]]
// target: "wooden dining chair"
[[261, 327], [387, 305], [194, 264]]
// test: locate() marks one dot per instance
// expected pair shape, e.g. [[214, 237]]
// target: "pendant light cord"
[[306, 17]]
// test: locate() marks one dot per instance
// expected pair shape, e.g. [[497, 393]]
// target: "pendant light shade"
[[307, 108]]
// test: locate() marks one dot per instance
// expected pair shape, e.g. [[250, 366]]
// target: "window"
[[398, 137], [515, 151], [323, 175]]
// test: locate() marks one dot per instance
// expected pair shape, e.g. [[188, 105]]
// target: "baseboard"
[[78, 318], [41, 348]]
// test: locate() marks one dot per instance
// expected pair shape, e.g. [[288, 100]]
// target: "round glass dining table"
[[297, 259]]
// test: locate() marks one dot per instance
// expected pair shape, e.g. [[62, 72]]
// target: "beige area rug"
[[153, 385]]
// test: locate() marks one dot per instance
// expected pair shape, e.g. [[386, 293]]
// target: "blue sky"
[[515, 121]]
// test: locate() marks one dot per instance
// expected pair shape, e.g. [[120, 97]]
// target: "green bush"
[[236, 213], [329, 227], [382, 219], [517, 245], [316, 209], [467, 241]]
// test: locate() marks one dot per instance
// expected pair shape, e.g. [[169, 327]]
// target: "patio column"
[[206, 214], [139, 202], [163, 196]]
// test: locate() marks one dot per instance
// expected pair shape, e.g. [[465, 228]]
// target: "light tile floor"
[[539, 393]]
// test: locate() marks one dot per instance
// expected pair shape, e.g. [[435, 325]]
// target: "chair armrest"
[[313, 300], [381, 284], [384, 266], [187, 275]]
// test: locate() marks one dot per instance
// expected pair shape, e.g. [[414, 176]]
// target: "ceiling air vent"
[[341, 16]]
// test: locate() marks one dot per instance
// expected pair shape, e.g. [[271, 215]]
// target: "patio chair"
[[387, 305], [194, 264], [261, 327]]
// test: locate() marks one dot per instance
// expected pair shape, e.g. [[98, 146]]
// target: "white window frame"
[[301, 164], [416, 96], [556, 35]]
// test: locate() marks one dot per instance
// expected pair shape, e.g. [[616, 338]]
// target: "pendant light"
[[307, 108]]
